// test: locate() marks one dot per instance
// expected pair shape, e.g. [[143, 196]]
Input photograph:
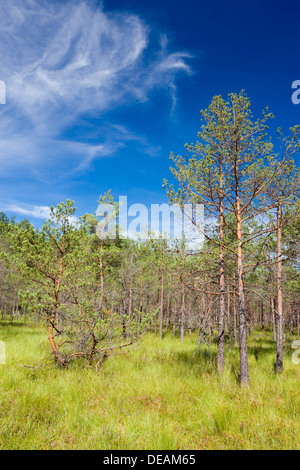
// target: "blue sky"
[[99, 93]]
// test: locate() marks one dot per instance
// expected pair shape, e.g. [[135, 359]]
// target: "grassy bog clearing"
[[162, 395]]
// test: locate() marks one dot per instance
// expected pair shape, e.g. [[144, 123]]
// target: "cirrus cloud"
[[62, 61]]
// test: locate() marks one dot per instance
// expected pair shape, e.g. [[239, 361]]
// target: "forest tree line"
[[99, 297]]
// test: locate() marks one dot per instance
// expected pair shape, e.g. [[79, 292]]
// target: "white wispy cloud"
[[37, 212], [32, 211], [63, 60]]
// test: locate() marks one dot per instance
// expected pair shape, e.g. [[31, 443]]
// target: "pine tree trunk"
[[279, 356], [161, 314], [235, 326], [168, 312], [182, 319], [222, 312], [229, 319], [244, 371], [273, 312]]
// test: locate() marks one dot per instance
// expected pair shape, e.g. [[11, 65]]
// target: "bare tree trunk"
[[141, 298], [262, 315], [273, 312], [101, 277], [222, 312], [182, 319], [229, 318], [235, 326], [161, 314], [130, 300], [168, 312], [244, 370], [279, 356], [55, 351], [174, 318]]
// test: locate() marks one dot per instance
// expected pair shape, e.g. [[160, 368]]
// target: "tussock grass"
[[163, 395]]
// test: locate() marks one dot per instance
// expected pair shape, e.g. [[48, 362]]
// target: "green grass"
[[163, 395]]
